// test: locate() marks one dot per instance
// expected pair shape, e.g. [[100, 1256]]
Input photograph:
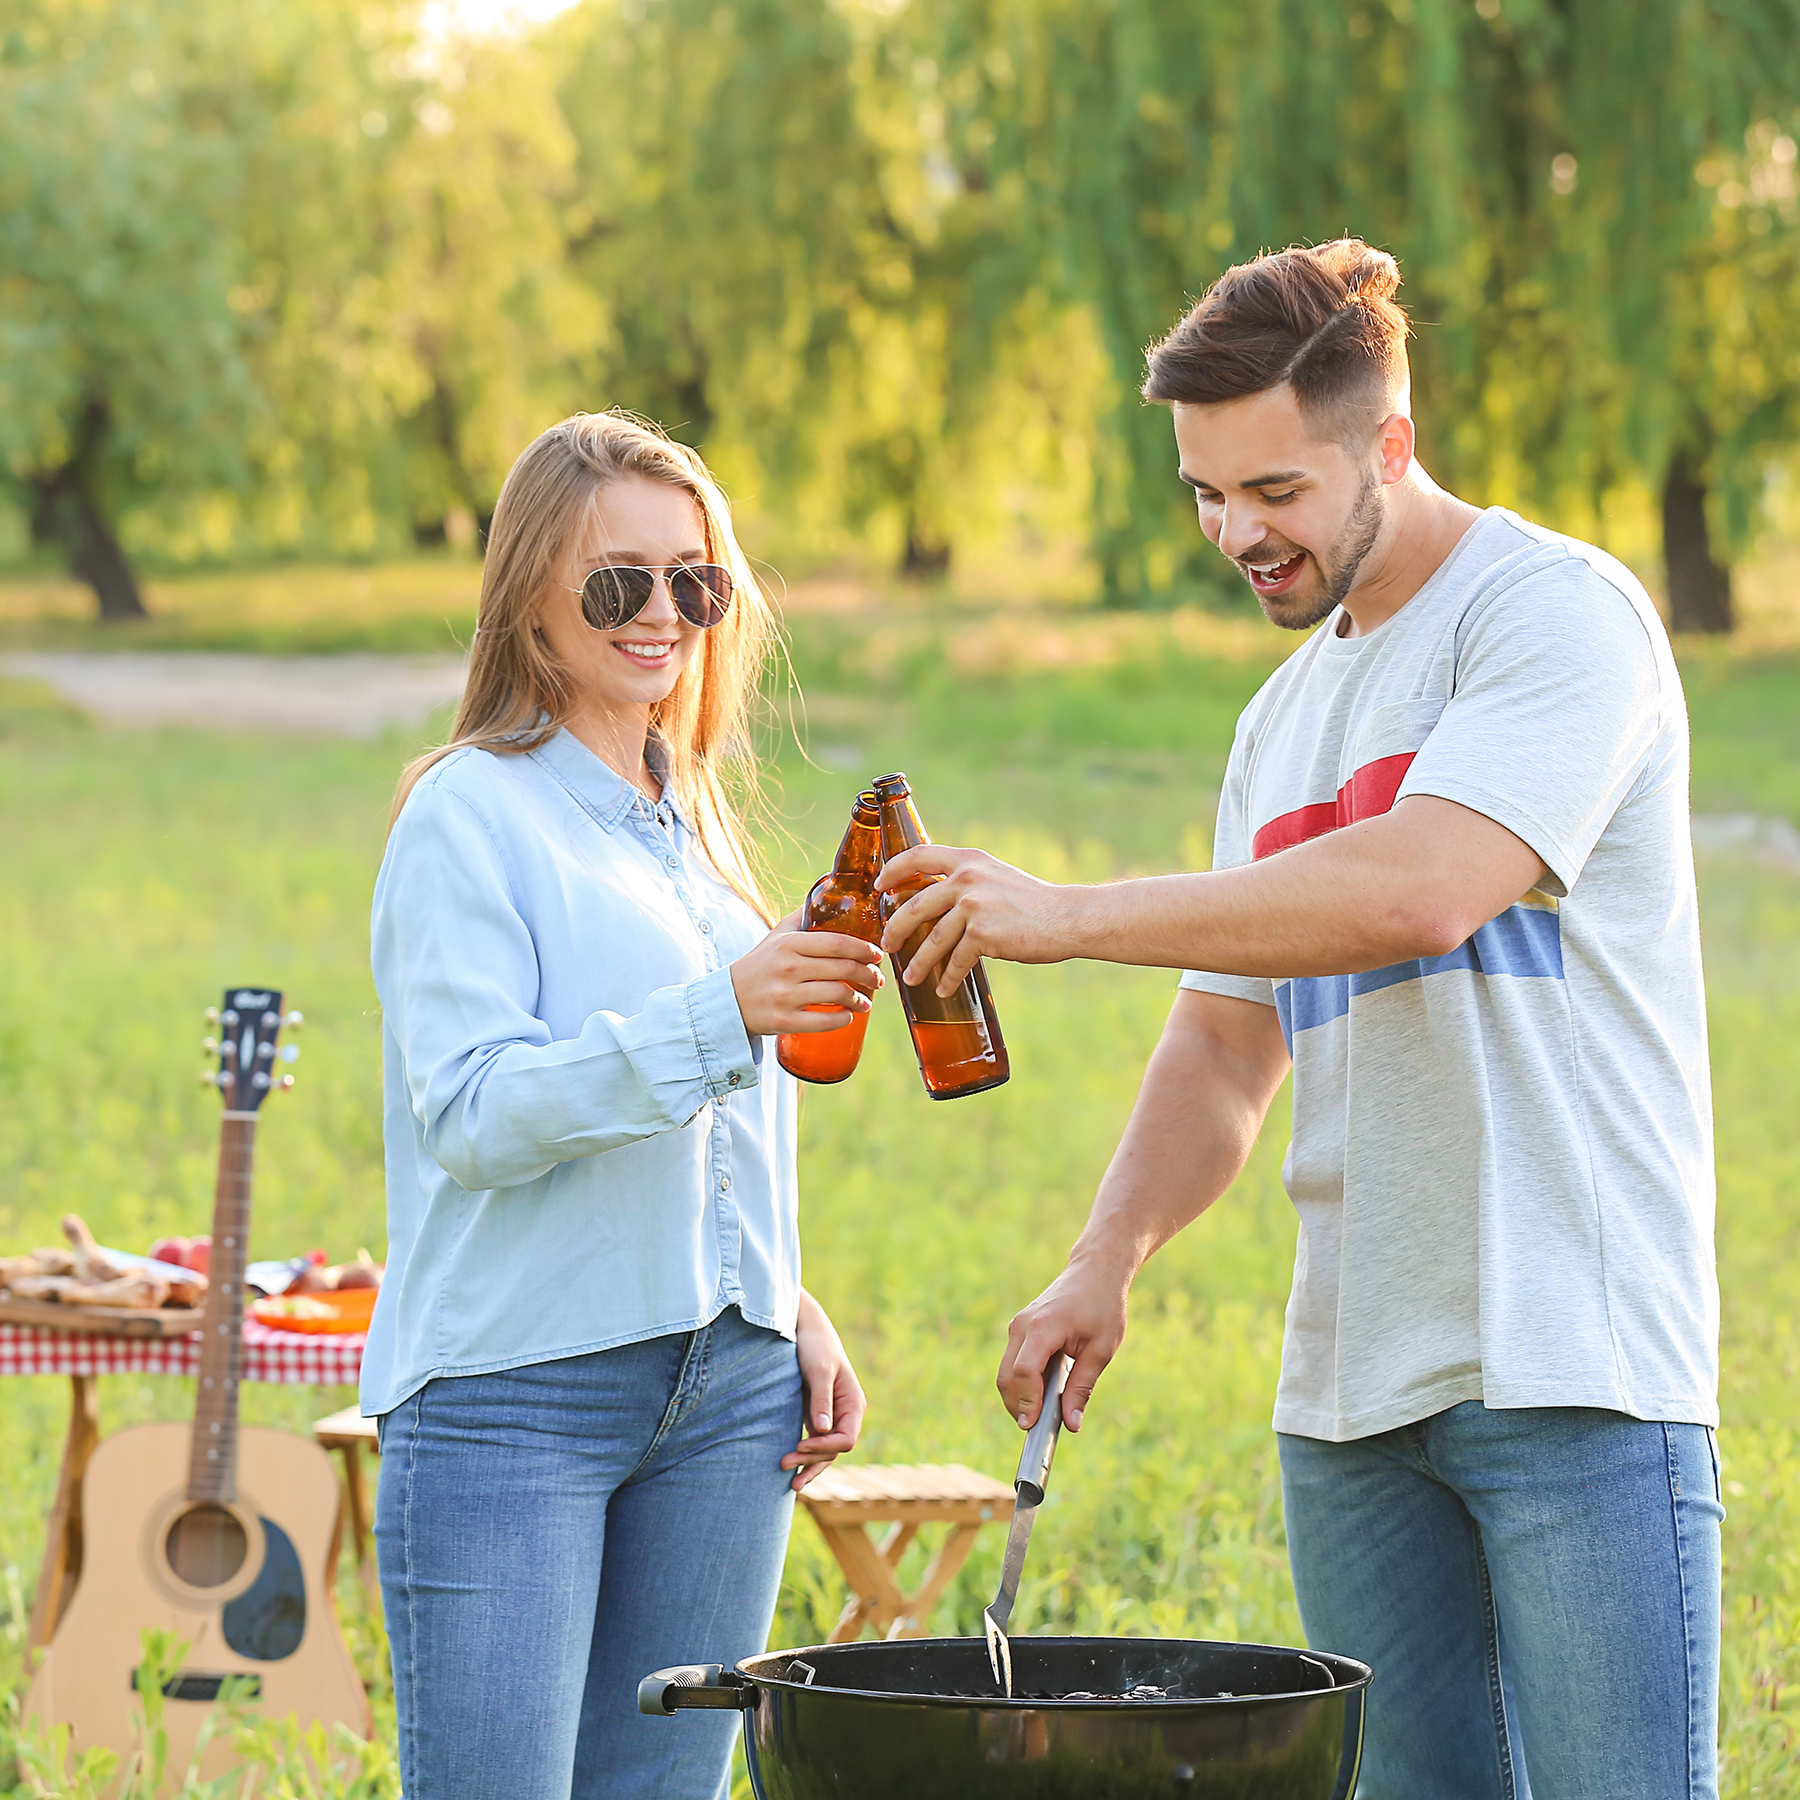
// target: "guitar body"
[[259, 1608]]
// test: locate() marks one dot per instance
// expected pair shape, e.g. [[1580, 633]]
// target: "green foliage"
[[305, 275], [310, 275], [146, 870], [113, 261]]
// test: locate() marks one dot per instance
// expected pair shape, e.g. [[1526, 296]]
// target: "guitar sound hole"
[[206, 1546]]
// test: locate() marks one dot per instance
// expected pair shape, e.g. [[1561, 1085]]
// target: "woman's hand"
[[833, 1396], [792, 970]]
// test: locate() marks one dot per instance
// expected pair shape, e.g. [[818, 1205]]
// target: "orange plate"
[[346, 1311]]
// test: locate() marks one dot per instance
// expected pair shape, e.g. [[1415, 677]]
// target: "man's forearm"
[[1413, 883]]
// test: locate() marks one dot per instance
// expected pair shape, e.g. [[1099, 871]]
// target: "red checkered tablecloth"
[[325, 1359]]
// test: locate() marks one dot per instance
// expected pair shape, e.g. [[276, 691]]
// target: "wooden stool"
[[902, 1496], [351, 1433]]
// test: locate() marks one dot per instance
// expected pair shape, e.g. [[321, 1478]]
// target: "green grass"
[[145, 870]]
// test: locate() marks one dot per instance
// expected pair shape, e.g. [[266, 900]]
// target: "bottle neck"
[[859, 855], [900, 825]]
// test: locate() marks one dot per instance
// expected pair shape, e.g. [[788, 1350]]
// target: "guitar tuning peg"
[[286, 1084], [208, 1078], [293, 1020], [209, 1044], [211, 1015]]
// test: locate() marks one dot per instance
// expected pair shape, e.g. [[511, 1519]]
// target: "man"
[[1453, 885]]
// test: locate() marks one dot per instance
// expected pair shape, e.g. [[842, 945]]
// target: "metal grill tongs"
[[1028, 1485]]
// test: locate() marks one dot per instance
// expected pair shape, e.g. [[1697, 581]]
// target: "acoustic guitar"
[[217, 1533]]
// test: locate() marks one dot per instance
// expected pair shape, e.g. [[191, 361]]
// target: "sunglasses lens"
[[614, 597], [702, 593]]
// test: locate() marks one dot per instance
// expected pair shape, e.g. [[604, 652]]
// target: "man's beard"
[[1339, 568]]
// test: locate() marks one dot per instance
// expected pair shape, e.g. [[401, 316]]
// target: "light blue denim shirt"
[[584, 1148]]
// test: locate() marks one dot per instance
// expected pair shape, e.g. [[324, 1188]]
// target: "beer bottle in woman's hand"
[[842, 901], [957, 1040]]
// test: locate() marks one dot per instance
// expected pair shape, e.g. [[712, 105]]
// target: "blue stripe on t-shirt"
[[1523, 941]]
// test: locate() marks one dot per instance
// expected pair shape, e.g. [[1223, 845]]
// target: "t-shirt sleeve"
[[1231, 850], [1556, 707]]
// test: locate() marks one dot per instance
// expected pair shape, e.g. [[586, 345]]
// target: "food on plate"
[[38, 1262], [185, 1253], [343, 1310], [295, 1306], [335, 1278], [188, 1290], [92, 1264], [138, 1288], [88, 1274]]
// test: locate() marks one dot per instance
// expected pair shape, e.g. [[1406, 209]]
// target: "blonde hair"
[[518, 693]]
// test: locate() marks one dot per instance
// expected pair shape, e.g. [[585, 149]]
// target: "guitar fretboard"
[[212, 1466]]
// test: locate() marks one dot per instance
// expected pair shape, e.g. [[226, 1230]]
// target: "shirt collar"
[[601, 790]]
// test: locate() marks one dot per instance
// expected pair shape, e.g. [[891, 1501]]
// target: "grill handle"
[[708, 1686]]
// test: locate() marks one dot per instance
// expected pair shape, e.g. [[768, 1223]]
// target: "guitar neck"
[[212, 1466]]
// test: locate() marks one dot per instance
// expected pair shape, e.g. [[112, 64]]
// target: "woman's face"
[[639, 522]]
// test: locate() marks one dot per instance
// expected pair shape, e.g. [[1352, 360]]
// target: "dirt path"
[[356, 696]]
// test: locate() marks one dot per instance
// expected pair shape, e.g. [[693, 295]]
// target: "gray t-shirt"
[[1502, 1158]]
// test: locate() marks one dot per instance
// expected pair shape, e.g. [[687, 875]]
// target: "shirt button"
[[706, 928], [735, 1079], [674, 862], [724, 1184]]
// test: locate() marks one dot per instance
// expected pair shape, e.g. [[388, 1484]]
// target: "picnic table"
[[294, 1358]]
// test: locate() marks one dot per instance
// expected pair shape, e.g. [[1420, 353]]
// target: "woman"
[[593, 1361]]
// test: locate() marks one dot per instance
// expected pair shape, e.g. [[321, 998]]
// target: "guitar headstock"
[[250, 1022]]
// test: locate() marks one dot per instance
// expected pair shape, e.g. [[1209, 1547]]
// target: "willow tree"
[[119, 364], [274, 278], [1539, 168], [797, 274]]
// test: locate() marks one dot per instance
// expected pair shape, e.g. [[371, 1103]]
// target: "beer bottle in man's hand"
[[843, 901], [958, 1040]]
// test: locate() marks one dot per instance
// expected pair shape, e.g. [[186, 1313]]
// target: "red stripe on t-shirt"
[[1366, 795], [1370, 791], [1295, 828]]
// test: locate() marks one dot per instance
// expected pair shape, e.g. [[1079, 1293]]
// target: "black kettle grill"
[[1090, 1719]]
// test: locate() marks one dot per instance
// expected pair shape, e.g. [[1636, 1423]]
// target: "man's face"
[[1297, 513]]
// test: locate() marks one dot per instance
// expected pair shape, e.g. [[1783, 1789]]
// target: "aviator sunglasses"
[[615, 595]]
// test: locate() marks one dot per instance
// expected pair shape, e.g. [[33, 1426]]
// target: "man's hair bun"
[[1367, 273]]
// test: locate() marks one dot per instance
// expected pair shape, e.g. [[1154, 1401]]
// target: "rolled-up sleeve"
[[499, 1102]]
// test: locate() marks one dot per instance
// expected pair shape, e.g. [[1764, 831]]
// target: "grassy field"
[[143, 871]]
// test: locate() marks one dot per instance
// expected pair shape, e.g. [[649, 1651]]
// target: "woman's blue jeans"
[[1535, 1590], [549, 1535]]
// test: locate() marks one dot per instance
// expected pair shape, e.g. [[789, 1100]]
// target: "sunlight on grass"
[[424, 605]]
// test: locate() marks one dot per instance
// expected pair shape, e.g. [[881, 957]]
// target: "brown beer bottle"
[[957, 1040], [843, 901]]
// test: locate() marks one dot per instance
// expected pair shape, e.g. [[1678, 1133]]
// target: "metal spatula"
[[1028, 1485]]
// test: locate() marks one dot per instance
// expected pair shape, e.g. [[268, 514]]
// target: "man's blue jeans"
[[1536, 1590], [549, 1535]]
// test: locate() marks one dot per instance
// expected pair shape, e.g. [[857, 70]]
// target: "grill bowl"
[[919, 1718]]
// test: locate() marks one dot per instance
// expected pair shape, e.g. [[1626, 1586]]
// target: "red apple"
[[170, 1250], [199, 1255]]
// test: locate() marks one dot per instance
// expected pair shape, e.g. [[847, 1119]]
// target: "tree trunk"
[[927, 556], [64, 511], [1699, 587]]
